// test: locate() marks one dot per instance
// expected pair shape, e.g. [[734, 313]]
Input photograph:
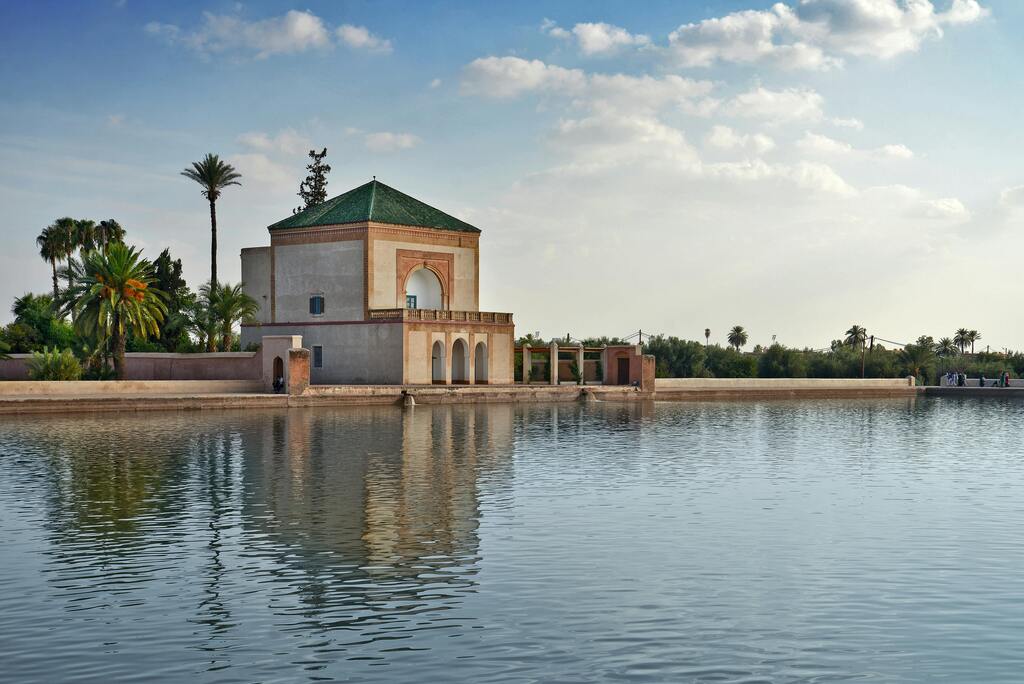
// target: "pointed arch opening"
[[480, 364], [437, 363], [460, 362]]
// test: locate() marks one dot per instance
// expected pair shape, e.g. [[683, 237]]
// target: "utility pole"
[[863, 354]]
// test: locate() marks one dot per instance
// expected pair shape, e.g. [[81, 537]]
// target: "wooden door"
[[623, 371]]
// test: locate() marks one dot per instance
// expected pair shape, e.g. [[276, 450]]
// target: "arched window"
[[423, 290]]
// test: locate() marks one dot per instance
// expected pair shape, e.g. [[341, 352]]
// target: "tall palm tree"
[[52, 249], [972, 337], [737, 337], [961, 340], [84, 235], [108, 231], [228, 305], [945, 347], [856, 336], [114, 298], [214, 175]]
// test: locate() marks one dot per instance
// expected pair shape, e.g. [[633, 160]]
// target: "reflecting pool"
[[786, 541]]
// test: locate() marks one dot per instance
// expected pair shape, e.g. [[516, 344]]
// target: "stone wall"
[[664, 384], [87, 388], [156, 366]]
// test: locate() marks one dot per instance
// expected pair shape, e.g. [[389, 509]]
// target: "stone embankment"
[[132, 396]]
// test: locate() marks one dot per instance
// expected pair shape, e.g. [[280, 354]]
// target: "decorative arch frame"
[[441, 264]]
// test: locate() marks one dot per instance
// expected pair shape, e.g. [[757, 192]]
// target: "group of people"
[[959, 379]]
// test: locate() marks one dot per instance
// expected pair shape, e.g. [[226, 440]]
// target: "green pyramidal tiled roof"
[[374, 201]]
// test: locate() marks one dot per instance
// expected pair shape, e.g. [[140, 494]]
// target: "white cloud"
[[115, 120], [724, 138], [507, 77], [945, 208], [777, 106], [295, 31], [817, 144], [287, 141], [815, 34], [259, 171], [360, 38], [385, 141], [855, 124], [596, 38], [1012, 198], [435, 83]]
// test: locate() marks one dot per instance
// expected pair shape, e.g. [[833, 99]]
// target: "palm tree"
[[737, 337], [945, 347], [972, 337], [856, 335], [916, 358], [108, 231], [228, 305], [84, 235], [52, 249], [113, 299], [214, 175], [961, 340]]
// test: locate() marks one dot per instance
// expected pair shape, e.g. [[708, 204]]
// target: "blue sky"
[[793, 168]]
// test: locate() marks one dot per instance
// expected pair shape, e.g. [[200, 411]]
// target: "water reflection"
[[776, 541], [361, 520]]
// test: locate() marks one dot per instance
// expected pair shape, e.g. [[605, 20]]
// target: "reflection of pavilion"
[[374, 490]]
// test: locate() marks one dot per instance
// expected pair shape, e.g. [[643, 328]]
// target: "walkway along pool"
[[698, 541]]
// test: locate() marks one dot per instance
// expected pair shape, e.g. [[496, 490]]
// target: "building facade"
[[383, 288]]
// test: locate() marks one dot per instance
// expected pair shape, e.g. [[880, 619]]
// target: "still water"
[[706, 542]]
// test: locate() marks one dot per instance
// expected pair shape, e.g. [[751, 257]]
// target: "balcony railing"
[[440, 315]]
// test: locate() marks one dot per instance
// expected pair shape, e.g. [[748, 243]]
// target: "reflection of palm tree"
[[856, 336]]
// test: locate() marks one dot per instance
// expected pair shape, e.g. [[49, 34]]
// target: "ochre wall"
[[385, 293], [147, 366]]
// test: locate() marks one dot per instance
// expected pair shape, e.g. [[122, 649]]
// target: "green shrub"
[[54, 365]]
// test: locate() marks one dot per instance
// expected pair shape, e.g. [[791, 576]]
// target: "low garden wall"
[[108, 388], [780, 383], [158, 366]]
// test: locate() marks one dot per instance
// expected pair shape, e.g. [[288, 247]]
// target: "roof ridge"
[[373, 196]]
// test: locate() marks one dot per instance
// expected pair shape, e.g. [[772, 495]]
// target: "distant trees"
[[214, 176], [313, 190], [737, 337], [961, 339]]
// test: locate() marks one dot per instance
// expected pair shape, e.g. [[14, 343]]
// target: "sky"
[[792, 167]]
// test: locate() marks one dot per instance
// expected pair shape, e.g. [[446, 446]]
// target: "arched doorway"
[[277, 379], [480, 364], [460, 363], [437, 363], [423, 290]]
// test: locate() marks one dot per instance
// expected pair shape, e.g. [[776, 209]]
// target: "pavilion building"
[[383, 289]]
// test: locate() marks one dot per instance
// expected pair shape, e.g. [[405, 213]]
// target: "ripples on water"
[[712, 542]]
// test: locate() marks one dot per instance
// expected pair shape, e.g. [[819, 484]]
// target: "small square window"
[[316, 305], [318, 356], [410, 301]]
